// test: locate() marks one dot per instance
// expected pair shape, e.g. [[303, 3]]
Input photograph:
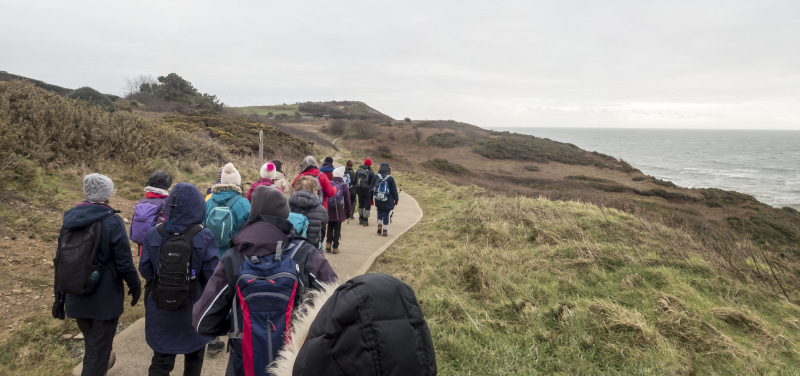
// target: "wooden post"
[[260, 149]]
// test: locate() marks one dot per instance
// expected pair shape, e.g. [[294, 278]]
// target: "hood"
[[259, 235], [365, 167], [185, 206], [220, 196], [303, 199], [385, 169], [226, 187], [85, 214], [370, 325]]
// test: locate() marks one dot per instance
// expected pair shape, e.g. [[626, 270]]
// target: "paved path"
[[359, 248]]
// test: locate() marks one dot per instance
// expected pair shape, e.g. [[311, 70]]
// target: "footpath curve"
[[359, 248]]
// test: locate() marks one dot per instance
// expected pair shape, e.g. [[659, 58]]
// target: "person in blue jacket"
[[170, 332], [230, 186], [98, 312], [390, 200]]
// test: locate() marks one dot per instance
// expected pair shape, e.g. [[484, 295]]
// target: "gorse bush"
[[362, 130], [446, 166], [92, 96], [52, 131]]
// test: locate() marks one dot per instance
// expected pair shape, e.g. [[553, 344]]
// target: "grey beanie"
[[98, 188], [160, 180], [269, 201]]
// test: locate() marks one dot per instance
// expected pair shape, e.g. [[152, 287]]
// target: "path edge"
[[368, 264]]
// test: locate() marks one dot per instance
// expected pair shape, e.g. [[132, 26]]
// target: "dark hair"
[[278, 165], [349, 163]]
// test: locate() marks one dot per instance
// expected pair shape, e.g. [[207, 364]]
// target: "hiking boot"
[[335, 251], [366, 222], [215, 347], [385, 232], [379, 229], [328, 246]]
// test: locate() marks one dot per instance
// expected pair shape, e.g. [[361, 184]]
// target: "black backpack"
[[77, 270], [176, 283], [362, 178]]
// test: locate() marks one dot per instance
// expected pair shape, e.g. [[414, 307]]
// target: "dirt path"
[[360, 246]]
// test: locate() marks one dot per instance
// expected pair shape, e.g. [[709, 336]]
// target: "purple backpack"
[[147, 213], [337, 201]]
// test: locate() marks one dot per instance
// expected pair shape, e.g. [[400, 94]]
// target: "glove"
[[395, 204], [372, 203], [135, 292], [58, 307]]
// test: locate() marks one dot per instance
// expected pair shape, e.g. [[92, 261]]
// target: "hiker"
[[258, 239], [267, 173], [168, 329], [279, 179], [338, 207], [226, 210], [95, 298], [364, 177], [384, 191], [309, 168], [149, 211], [219, 176], [304, 201], [327, 169], [370, 325], [351, 175]]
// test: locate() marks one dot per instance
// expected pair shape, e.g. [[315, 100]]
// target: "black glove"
[[58, 307], [135, 292]]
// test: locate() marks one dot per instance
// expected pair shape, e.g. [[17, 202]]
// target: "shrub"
[[92, 96], [384, 151], [446, 140], [529, 148], [446, 166], [337, 127], [531, 168], [363, 130]]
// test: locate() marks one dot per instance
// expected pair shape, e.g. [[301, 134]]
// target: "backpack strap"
[[234, 261], [231, 201]]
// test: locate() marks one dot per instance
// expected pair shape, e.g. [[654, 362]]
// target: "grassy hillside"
[[521, 286]]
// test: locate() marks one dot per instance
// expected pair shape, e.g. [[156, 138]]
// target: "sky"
[[701, 64]]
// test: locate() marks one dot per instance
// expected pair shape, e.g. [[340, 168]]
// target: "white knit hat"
[[268, 170], [230, 175], [338, 172]]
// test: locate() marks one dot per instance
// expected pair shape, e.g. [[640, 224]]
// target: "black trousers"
[[98, 336], [363, 200], [162, 364], [334, 232], [353, 203]]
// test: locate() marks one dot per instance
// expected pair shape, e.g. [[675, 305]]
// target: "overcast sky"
[[667, 64]]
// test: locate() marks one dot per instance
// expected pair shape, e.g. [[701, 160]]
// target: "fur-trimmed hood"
[[370, 325], [226, 187]]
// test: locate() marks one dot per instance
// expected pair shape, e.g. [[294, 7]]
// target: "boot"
[[380, 228], [385, 232], [335, 251], [328, 246]]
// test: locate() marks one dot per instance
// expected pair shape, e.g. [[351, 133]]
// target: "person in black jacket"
[[97, 313], [363, 192], [370, 325], [390, 197]]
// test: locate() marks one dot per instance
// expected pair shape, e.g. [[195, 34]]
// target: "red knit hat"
[[368, 162]]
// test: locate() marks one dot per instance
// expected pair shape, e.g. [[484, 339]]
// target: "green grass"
[[520, 286]]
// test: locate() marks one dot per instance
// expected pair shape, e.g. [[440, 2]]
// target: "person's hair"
[[306, 183], [308, 161]]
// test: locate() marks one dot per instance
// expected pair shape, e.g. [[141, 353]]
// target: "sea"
[[762, 163]]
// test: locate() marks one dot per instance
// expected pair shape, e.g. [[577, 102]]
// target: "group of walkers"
[[241, 265]]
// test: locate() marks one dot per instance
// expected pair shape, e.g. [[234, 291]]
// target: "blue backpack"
[[268, 290], [300, 223], [221, 220], [382, 191]]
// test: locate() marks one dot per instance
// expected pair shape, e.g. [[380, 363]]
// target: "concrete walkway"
[[359, 248]]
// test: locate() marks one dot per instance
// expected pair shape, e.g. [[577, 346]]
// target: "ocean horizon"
[[762, 163]]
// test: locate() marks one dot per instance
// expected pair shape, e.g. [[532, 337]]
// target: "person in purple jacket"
[[338, 210], [268, 225], [149, 211], [168, 332]]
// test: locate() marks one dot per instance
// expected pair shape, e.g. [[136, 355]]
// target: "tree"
[[134, 85], [407, 120], [175, 88]]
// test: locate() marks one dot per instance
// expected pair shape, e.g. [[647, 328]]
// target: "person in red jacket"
[[309, 167]]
